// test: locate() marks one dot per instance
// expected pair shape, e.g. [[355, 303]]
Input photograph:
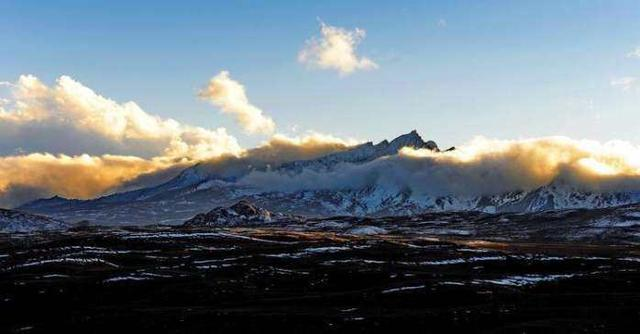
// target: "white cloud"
[[625, 83], [68, 140], [230, 96], [70, 118], [634, 54], [336, 50], [281, 148]]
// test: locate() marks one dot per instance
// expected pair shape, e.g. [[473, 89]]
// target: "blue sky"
[[451, 70]]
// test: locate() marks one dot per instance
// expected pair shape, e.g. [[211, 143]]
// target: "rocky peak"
[[248, 209], [411, 139]]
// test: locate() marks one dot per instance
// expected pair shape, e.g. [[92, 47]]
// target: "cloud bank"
[[71, 118], [336, 50], [68, 140], [26, 177], [271, 154], [38, 175], [481, 167], [230, 96]]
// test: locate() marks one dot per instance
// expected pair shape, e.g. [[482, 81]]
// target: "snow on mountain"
[[207, 185], [16, 221], [361, 153], [381, 201], [560, 195]]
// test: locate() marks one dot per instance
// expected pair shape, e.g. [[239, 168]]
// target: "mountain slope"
[[362, 153], [206, 185]]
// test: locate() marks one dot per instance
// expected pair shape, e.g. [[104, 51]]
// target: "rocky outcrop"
[[241, 213]]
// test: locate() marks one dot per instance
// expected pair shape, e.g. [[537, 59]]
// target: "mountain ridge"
[[200, 187]]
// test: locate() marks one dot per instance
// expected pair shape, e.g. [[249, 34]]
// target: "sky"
[[96, 94], [452, 70]]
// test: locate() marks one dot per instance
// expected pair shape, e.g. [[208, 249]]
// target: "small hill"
[[241, 213], [12, 221]]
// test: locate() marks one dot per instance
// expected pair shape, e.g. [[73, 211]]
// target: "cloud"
[[35, 175], [481, 167], [442, 23], [27, 177], [625, 83], [71, 118], [271, 154], [230, 96], [634, 54], [30, 176], [281, 148], [336, 50], [68, 140]]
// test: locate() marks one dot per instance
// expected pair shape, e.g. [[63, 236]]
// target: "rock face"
[[12, 221], [243, 212]]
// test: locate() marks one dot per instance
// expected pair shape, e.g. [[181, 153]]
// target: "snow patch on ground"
[[524, 280], [367, 230]]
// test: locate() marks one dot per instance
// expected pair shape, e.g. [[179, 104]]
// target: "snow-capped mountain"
[[15, 221], [361, 153], [203, 186], [380, 201]]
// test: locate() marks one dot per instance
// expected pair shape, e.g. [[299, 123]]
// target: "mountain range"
[[205, 185]]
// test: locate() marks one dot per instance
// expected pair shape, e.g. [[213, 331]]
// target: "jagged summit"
[[232, 171], [411, 139], [363, 153]]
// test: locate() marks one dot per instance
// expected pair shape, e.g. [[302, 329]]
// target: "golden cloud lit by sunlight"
[[480, 167], [76, 143], [544, 158], [80, 176], [230, 96]]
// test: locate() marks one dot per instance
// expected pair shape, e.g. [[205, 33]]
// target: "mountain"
[[362, 153], [205, 185], [16, 221]]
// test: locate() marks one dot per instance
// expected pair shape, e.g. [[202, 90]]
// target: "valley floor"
[[241, 280]]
